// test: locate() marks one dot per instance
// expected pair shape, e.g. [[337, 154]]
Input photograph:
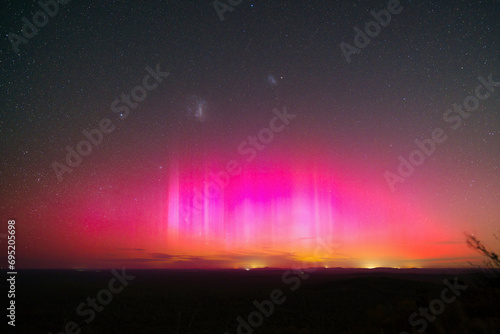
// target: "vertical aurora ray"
[[286, 210]]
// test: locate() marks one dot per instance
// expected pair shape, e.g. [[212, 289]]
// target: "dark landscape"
[[210, 301]]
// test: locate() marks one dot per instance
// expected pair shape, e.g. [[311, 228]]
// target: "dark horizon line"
[[252, 269]]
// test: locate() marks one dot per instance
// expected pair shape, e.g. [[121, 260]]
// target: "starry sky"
[[245, 136]]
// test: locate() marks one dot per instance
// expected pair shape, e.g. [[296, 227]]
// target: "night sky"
[[245, 142]]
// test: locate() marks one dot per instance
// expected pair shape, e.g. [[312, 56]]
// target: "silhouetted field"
[[201, 301]]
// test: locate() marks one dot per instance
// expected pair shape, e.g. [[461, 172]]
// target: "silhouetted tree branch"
[[474, 243]]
